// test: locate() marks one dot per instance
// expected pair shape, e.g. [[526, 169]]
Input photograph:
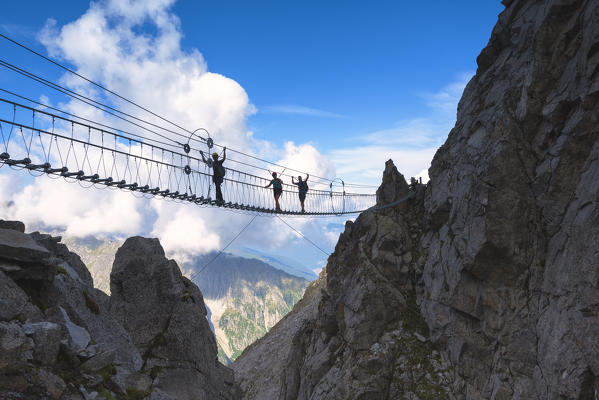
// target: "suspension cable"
[[90, 81], [223, 249], [116, 130], [303, 236], [87, 100], [91, 102]]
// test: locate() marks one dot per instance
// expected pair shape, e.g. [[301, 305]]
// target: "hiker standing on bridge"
[[302, 188], [277, 188], [218, 172]]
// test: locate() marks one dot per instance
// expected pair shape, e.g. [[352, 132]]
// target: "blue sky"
[[338, 68], [368, 62], [351, 83]]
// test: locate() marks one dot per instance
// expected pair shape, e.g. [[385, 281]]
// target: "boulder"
[[165, 315], [98, 361], [71, 262], [12, 225], [46, 341], [17, 246], [75, 334], [144, 287], [77, 337], [85, 307], [15, 346], [14, 302], [48, 383]]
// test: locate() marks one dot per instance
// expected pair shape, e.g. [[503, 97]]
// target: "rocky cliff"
[[62, 339], [485, 284], [245, 296], [358, 332], [511, 278]]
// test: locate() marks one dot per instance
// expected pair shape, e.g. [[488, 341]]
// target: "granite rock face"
[[12, 225], [164, 314], [485, 284], [512, 272], [59, 339], [358, 333], [394, 186], [51, 324]]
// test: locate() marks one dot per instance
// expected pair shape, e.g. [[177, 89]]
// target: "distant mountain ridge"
[[98, 255], [246, 297], [283, 263]]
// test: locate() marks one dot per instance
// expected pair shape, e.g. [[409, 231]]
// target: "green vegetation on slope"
[[247, 297], [239, 329]]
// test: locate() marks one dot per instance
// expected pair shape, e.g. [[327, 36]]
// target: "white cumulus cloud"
[[411, 144], [106, 45], [57, 203], [109, 44], [184, 230]]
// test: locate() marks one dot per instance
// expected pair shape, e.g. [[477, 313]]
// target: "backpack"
[[303, 187], [218, 171]]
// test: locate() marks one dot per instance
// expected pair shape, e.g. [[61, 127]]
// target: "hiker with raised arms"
[[302, 189], [218, 172], [277, 188]]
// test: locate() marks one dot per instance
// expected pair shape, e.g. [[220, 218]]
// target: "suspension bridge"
[[155, 161], [42, 142]]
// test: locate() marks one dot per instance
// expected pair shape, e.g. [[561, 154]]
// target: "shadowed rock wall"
[[484, 285], [62, 339], [511, 278]]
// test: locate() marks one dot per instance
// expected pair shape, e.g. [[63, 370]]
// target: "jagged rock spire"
[[393, 187]]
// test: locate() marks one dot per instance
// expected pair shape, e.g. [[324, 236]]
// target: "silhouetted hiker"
[[302, 188], [218, 172], [277, 188]]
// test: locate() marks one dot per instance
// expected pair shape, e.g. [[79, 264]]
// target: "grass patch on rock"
[[107, 372], [136, 394], [154, 371], [187, 296], [91, 303], [61, 270], [159, 340], [105, 393]]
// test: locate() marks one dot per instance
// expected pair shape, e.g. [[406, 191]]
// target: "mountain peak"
[[393, 186]]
